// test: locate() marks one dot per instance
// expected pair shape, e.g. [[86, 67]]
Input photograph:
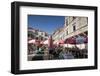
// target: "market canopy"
[[33, 41], [70, 40], [77, 40], [61, 42]]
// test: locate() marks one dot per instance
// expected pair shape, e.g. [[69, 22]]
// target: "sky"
[[45, 23]]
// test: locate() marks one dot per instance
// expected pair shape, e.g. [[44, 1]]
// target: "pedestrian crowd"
[[43, 52]]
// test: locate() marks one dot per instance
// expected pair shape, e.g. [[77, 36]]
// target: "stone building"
[[74, 26], [37, 34]]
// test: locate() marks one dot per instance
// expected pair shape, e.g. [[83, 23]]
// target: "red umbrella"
[[41, 42], [37, 42], [71, 40], [61, 42], [31, 41]]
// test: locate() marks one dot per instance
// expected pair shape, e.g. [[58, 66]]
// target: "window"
[[74, 28], [46, 34], [36, 32], [67, 32], [42, 33]]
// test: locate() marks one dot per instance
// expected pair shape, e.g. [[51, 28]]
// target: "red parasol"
[[61, 42], [71, 40]]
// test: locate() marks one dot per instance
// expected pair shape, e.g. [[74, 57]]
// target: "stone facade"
[[73, 26], [34, 33]]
